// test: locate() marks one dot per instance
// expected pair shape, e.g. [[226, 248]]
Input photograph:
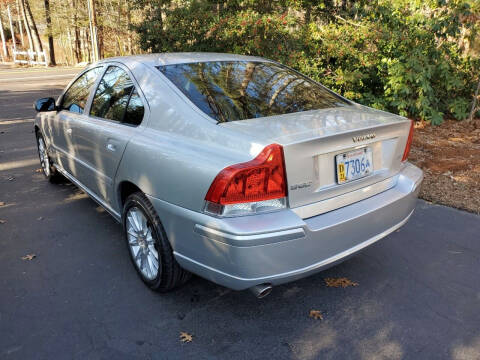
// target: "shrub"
[[400, 55]]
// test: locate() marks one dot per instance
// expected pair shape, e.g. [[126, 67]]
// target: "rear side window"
[[76, 96], [117, 99], [238, 90], [134, 114]]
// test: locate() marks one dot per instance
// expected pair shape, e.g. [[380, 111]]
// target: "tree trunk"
[[37, 42], [4, 43], [48, 20], [88, 46], [70, 48], [27, 28], [12, 30], [19, 19], [76, 35], [100, 41], [93, 29], [129, 25], [30, 22]]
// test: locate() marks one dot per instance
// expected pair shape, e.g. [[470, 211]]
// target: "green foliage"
[[403, 56]]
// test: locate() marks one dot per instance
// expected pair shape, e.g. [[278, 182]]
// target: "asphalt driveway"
[[418, 293]]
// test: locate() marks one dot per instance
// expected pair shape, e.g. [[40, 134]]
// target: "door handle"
[[69, 131], [111, 147]]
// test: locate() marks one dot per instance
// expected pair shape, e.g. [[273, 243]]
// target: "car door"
[[72, 105], [116, 111]]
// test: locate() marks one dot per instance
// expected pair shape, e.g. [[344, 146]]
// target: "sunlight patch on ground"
[[79, 195], [15, 121], [18, 164], [470, 351], [381, 346]]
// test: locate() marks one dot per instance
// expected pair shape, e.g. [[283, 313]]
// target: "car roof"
[[160, 59]]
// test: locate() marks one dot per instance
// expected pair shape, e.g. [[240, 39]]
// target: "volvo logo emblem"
[[363, 137]]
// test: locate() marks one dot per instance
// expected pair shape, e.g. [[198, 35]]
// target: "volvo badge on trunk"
[[363, 137]]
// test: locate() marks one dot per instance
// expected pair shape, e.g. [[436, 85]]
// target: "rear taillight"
[[409, 142], [255, 186]]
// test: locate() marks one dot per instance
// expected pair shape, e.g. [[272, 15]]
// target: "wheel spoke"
[[142, 260], [131, 221], [130, 229], [135, 251], [143, 223], [137, 254], [153, 251], [149, 266], [154, 262], [136, 219]]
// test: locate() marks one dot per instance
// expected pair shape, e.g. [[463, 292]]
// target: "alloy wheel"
[[142, 243], [44, 160]]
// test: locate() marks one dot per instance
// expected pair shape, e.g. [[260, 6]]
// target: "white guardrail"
[[28, 57]]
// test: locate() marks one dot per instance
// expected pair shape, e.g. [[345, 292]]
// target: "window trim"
[[146, 108]]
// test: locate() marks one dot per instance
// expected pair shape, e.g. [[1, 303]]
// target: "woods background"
[[417, 58]]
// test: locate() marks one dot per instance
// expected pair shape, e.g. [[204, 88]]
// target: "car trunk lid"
[[311, 140]]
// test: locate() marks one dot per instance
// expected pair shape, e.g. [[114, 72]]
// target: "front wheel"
[[148, 245], [47, 166]]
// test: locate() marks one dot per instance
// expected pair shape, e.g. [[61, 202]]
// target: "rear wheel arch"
[[124, 190]]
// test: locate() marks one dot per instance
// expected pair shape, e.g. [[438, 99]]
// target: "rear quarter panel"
[[180, 152]]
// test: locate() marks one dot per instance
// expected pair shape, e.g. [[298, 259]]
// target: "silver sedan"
[[234, 168]]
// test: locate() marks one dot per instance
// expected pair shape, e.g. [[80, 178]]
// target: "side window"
[[117, 99], [134, 114], [76, 96]]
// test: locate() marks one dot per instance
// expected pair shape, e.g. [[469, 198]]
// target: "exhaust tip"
[[262, 290]]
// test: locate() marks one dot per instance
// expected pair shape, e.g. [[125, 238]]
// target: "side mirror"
[[44, 104]]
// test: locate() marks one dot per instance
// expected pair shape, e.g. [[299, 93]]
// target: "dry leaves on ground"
[[39, 170], [2, 203], [316, 314], [29, 257], [339, 282], [185, 337], [449, 155]]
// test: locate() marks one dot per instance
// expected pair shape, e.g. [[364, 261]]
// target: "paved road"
[[418, 295]]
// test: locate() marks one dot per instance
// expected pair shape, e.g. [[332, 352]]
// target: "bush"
[[402, 56]]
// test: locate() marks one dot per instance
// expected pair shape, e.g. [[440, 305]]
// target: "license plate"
[[354, 165]]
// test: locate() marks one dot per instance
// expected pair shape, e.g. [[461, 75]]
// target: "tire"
[[46, 162], [142, 247]]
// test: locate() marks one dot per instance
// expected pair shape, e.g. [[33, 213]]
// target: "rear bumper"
[[281, 247]]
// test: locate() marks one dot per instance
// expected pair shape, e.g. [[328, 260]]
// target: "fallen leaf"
[[316, 314], [29, 257], [2, 203], [339, 282], [3, 221], [39, 170], [185, 337]]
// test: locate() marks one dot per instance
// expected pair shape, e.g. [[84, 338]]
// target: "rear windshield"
[[238, 90]]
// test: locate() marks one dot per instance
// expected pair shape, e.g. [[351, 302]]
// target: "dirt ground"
[[449, 154]]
